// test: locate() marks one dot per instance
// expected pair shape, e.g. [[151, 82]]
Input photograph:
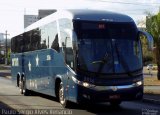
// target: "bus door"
[[70, 63]]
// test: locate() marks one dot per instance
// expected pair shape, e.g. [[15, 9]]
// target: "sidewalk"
[[152, 94], [151, 86], [5, 73]]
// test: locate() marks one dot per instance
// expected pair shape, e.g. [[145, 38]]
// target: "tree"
[[148, 56], [153, 27]]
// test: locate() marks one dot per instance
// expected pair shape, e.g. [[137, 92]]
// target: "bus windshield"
[[108, 48]]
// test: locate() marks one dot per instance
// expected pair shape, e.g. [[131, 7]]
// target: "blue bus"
[[80, 56]]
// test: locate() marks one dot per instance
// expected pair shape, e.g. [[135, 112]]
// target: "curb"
[[8, 77], [151, 101]]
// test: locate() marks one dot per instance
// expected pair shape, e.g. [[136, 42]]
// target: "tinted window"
[[36, 39], [17, 44], [110, 30], [55, 44], [31, 40]]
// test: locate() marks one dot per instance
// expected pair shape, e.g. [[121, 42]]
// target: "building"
[[1, 36], [44, 13], [29, 19]]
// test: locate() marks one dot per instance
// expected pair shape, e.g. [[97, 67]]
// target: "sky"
[[12, 11]]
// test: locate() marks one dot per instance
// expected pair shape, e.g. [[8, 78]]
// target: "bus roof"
[[82, 14], [99, 15]]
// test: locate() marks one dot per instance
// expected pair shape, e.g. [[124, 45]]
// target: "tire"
[[18, 81], [20, 85], [62, 98], [23, 89], [115, 103]]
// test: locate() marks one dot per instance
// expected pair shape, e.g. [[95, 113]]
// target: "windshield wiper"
[[102, 62], [123, 62], [95, 62]]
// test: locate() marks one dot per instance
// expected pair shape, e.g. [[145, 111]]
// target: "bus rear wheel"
[[62, 98], [23, 89], [18, 81]]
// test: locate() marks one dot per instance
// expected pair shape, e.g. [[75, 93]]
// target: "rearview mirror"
[[149, 39]]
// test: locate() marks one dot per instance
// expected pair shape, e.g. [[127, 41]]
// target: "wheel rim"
[[61, 95], [20, 86]]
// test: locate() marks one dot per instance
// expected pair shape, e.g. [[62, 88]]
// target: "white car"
[[151, 67]]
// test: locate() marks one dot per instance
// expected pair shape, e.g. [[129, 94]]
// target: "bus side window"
[[69, 57], [55, 44]]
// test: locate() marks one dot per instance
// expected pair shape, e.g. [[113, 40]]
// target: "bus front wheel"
[[62, 98], [115, 103]]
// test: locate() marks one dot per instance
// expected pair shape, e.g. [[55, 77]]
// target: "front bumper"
[[110, 93]]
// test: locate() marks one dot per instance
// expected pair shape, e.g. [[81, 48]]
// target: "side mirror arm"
[[149, 39]]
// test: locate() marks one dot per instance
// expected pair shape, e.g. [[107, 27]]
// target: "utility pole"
[[6, 53]]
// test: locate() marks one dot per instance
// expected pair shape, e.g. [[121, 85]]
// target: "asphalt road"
[[12, 102]]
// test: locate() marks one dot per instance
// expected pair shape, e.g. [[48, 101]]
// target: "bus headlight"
[[138, 83], [84, 84]]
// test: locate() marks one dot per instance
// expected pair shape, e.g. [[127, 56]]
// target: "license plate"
[[114, 97]]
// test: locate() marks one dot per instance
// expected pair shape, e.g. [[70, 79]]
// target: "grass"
[[151, 81], [4, 67], [150, 77], [147, 91]]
